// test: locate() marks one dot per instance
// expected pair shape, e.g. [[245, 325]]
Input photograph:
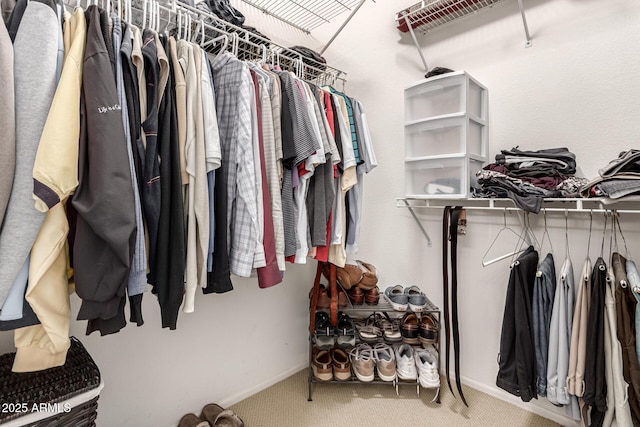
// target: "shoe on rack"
[[342, 298], [390, 330], [343, 276], [417, 298], [385, 361], [427, 366], [354, 272], [428, 329], [322, 365], [397, 298], [341, 364], [323, 298], [372, 296], [409, 328], [324, 335], [356, 295], [369, 275], [369, 328], [405, 363], [345, 331], [191, 420], [362, 360]]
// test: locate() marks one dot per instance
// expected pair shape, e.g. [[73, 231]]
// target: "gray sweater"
[[35, 62], [7, 120]]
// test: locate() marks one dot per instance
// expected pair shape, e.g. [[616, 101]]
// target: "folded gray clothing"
[[526, 196], [628, 162], [617, 188], [585, 191], [559, 158]]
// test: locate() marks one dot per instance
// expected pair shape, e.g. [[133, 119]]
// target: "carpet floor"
[[360, 405]]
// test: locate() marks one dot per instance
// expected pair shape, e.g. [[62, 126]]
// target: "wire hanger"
[[566, 232], [590, 231], [604, 232], [546, 234], [486, 262]]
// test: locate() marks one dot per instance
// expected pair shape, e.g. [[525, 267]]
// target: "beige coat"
[[45, 345]]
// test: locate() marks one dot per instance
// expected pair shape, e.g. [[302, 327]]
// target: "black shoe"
[[345, 331], [324, 331]]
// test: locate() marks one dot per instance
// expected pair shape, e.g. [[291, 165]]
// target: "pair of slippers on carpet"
[[212, 415]]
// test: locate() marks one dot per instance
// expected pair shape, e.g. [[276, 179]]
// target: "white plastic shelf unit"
[[428, 15], [445, 135]]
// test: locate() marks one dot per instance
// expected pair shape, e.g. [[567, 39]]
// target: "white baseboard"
[[263, 385], [527, 406]]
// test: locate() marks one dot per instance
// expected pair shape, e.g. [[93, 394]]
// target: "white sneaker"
[[427, 365], [405, 362]]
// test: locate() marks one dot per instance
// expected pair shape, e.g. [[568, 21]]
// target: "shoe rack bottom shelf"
[[395, 383]]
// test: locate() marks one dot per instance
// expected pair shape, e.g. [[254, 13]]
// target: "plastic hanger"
[[504, 228]]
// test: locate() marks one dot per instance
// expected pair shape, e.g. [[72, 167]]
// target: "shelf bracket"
[[344, 24], [527, 42], [424, 232], [415, 41]]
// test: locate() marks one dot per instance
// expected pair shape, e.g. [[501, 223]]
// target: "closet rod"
[[458, 202]]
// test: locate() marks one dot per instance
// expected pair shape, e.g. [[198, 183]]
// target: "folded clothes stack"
[[528, 177], [620, 179]]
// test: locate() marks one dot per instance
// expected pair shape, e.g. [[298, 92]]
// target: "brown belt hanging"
[[450, 233]]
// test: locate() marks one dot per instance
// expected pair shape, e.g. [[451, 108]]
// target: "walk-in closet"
[[307, 213]]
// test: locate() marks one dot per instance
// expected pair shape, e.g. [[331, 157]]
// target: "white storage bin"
[[451, 135], [445, 94], [441, 177]]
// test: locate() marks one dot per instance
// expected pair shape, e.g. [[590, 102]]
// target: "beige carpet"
[[353, 405]]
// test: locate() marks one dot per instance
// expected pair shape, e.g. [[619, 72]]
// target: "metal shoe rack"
[[360, 312]]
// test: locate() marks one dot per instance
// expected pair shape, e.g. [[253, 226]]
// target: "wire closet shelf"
[[216, 35], [304, 15], [428, 15]]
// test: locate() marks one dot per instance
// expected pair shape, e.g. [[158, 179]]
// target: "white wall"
[[576, 86]]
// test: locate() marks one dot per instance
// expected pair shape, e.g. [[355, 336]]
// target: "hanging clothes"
[[35, 55], [233, 104], [634, 284], [595, 383], [516, 360], [618, 410], [560, 340], [544, 289], [171, 232], [625, 319], [7, 120], [103, 236]]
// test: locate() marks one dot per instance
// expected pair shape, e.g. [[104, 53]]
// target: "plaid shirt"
[[233, 106]]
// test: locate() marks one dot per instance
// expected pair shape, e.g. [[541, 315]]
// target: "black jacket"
[[151, 167], [595, 392], [517, 364], [170, 260], [106, 227]]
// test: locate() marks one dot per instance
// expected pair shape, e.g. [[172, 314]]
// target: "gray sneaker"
[[362, 360], [385, 361]]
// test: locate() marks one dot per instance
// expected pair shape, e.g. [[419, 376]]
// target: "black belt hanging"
[[450, 233]]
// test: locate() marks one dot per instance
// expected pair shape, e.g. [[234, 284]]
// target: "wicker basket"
[[27, 391]]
